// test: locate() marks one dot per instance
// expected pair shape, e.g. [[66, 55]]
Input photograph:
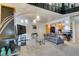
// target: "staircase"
[[5, 22], [3, 26]]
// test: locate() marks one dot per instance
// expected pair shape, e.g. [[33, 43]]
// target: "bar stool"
[[3, 52], [9, 52]]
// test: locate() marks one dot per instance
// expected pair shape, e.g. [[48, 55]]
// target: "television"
[[21, 29]]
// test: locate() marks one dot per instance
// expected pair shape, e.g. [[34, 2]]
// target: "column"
[[73, 32], [0, 13]]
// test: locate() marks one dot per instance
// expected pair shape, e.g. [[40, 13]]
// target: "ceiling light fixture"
[[26, 21], [22, 21], [37, 18]]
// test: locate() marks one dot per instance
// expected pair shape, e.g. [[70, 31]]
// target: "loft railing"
[[62, 8]]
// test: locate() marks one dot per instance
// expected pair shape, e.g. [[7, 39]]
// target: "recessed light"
[[22, 21], [26, 21]]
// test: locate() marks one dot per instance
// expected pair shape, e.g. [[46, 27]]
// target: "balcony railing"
[[62, 8]]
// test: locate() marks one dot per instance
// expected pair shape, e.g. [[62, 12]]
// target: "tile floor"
[[50, 49]]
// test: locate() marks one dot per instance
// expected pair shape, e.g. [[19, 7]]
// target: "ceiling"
[[30, 12]]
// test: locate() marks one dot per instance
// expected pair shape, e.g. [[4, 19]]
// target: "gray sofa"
[[54, 38]]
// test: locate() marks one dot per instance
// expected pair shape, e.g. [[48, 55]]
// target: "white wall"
[[60, 19], [29, 29]]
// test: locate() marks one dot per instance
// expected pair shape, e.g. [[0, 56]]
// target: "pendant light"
[[34, 21]]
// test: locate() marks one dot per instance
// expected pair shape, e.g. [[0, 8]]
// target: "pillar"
[[73, 32], [0, 13]]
